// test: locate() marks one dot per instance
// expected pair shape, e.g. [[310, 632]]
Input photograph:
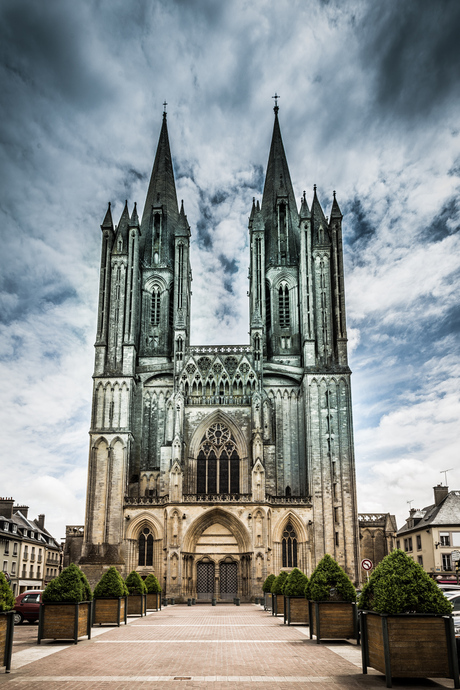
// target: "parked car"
[[454, 598], [27, 606]]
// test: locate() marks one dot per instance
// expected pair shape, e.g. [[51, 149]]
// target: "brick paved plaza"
[[193, 647]]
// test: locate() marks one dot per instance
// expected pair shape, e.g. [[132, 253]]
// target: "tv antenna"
[[410, 503], [444, 472]]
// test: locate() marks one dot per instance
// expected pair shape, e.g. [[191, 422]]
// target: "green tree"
[[6, 594], [329, 582], [111, 584], [152, 584], [135, 583], [295, 584], [71, 586], [400, 585], [267, 586], [278, 583]]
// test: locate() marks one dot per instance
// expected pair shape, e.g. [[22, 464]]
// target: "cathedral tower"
[[213, 466]]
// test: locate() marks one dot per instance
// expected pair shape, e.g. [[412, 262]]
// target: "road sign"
[[455, 555], [366, 564]]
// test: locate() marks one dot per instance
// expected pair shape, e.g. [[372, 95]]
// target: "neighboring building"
[[215, 465], [73, 544], [431, 535], [31, 556], [377, 536]]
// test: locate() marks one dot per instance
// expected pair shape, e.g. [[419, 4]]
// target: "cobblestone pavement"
[[195, 647]]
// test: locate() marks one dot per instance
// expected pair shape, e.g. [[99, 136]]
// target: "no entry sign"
[[366, 564]]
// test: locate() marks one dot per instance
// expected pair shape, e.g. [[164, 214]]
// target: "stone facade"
[[213, 466], [377, 535]]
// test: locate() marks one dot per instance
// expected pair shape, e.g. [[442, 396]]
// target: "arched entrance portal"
[[205, 576]]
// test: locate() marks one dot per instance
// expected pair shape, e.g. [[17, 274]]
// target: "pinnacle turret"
[[107, 222], [335, 210], [134, 217], [183, 228], [304, 210]]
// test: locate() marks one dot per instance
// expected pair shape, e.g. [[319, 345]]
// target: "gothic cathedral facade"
[[214, 466]]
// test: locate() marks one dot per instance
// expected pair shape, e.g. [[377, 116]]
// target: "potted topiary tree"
[[267, 590], [136, 598], [331, 602], [6, 622], [406, 623], [65, 611], [295, 604], [153, 592], [110, 603], [277, 591]]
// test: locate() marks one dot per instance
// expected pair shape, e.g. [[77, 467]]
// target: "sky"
[[369, 107]]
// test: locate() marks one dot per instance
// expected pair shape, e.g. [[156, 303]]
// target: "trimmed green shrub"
[[71, 586], [267, 586], [295, 584], [111, 584], [6, 594], [278, 583], [135, 583], [152, 585], [400, 585], [329, 582]]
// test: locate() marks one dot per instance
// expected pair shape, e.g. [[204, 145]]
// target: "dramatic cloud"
[[369, 106]]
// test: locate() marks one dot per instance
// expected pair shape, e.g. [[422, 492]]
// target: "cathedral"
[[214, 466]]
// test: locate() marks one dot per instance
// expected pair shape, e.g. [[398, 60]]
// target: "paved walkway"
[[222, 647]]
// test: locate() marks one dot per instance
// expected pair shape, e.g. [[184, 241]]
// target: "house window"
[[5, 566], [455, 538], [146, 547], [410, 544], [289, 547], [406, 545], [420, 560], [13, 568], [444, 538], [398, 544], [419, 542], [446, 561], [15, 548], [7, 548]]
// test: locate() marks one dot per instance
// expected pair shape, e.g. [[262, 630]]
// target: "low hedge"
[[329, 582], [71, 586], [278, 583], [295, 584], [111, 584], [135, 583], [152, 585], [267, 586], [6, 594]]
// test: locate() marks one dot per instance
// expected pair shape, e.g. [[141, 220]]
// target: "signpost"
[[367, 565]]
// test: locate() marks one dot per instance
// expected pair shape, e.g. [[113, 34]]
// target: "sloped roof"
[[447, 512]]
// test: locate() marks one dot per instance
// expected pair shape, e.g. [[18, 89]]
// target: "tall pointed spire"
[[161, 194], [277, 186]]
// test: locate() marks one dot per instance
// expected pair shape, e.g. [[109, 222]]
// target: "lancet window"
[[155, 312], [289, 547], [218, 462], [146, 547], [283, 296]]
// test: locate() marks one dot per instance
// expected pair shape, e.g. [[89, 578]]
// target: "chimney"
[[41, 521], [440, 492], [6, 507], [24, 510]]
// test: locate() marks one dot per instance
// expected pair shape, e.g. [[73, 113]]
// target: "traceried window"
[[283, 296], [146, 547], [155, 313], [289, 547], [218, 462]]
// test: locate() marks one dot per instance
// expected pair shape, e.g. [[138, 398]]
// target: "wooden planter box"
[[109, 610], [277, 605], [333, 620], [61, 620], [136, 605], [153, 601], [6, 639], [409, 645], [296, 611]]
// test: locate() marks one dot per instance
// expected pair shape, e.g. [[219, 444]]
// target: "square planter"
[[109, 610], [296, 611], [409, 645], [333, 620], [136, 605], [61, 620], [277, 605], [153, 601], [6, 639]]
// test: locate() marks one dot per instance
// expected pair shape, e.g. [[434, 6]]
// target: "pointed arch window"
[[218, 462], [268, 311], [283, 301], [289, 547], [145, 544], [155, 311]]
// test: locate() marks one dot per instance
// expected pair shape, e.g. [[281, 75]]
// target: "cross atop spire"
[[164, 109], [276, 108]]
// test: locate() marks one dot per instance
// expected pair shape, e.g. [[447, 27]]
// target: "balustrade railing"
[[216, 498]]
